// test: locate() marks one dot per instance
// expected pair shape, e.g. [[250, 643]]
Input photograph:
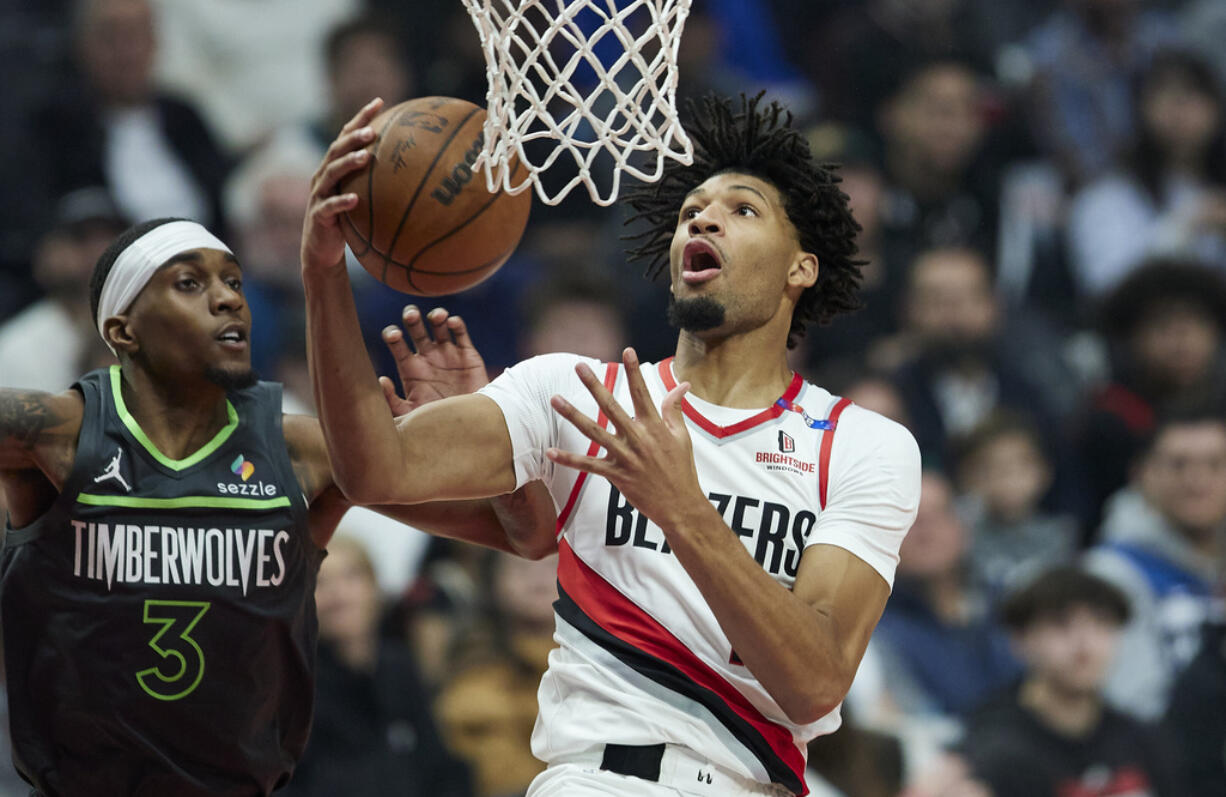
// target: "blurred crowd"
[[1041, 186]]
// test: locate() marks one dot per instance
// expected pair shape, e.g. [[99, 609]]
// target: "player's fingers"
[[604, 399], [339, 168], [459, 331], [345, 145], [670, 408], [389, 392], [438, 323], [415, 326], [590, 429], [393, 338], [644, 409], [595, 466], [368, 111], [334, 205]]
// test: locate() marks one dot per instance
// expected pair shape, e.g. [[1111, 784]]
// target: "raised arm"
[[454, 448]]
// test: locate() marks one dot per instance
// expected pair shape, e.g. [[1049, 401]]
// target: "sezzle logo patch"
[[244, 469], [241, 467]]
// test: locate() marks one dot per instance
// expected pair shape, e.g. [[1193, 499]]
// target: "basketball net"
[[583, 88]]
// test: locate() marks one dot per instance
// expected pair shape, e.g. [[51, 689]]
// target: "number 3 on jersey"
[[182, 664]]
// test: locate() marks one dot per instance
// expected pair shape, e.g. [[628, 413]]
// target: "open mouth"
[[700, 261], [233, 337]]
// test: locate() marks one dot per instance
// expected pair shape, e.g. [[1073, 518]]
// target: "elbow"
[[537, 548], [817, 702]]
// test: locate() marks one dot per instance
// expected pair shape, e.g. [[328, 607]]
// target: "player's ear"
[[118, 334], [803, 271]]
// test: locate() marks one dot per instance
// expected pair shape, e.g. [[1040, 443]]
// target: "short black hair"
[[106, 261], [1059, 589], [998, 423], [1160, 283], [757, 139], [1189, 411]]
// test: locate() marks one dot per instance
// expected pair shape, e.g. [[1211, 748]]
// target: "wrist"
[[690, 519]]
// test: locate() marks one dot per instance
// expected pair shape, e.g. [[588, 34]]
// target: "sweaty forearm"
[[363, 445]]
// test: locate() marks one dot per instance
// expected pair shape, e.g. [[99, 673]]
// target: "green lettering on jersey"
[[181, 656]]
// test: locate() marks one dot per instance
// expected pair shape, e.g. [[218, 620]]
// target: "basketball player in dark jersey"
[[166, 523]]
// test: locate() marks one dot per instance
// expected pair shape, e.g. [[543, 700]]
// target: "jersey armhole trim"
[[610, 379], [823, 462]]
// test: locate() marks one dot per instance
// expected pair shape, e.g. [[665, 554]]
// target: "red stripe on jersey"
[[610, 379], [624, 619], [774, 411], [823, 462]]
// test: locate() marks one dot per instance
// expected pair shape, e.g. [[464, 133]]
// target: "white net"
[[581, 91]]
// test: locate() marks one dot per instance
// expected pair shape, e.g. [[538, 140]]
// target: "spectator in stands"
[[877, 392], [1170, 197], [937, 195], [373, 730], [1085, 58], [363, 59], [1165, 324], [854, 54], [43, 347], [1162, 543], [266, 198], [488, 706], [1054, 734], [882, 273], [112, 127], [250, 68], [936, 653], [961, 367], [1003, 475], [1195, 720], [574, 313]]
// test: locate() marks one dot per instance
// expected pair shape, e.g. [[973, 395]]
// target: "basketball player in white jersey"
[[727, 532]]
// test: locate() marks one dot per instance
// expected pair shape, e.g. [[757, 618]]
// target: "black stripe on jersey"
[[672, 678]]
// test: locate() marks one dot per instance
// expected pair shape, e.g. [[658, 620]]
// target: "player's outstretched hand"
[[323, 245], [441, 362], [649, 458]]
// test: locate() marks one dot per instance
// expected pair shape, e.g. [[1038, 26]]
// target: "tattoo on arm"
[[24, 416]]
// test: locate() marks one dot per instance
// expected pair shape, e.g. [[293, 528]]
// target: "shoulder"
[[864, 435], [40, 429]]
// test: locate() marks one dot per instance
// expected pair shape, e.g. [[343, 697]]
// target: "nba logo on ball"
[[786, 444]]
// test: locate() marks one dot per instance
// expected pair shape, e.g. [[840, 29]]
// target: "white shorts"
[[682, 774]]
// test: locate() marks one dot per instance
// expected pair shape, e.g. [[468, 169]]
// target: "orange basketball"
[[425, 223]]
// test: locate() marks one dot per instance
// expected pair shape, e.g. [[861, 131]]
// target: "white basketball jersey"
[[642, 659]]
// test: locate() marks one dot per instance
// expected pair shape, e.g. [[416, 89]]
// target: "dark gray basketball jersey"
[[159, 620]]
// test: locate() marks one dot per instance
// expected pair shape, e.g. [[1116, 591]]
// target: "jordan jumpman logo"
[[112, 471]]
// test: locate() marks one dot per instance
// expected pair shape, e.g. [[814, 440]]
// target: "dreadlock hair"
[[757, 139]]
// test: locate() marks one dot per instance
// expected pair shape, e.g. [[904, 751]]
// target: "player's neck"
[[178, 418], [747, 370]]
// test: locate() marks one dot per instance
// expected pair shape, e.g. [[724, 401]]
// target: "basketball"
[[425, 223]]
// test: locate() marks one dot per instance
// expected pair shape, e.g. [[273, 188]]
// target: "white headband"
[[137, 264]]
